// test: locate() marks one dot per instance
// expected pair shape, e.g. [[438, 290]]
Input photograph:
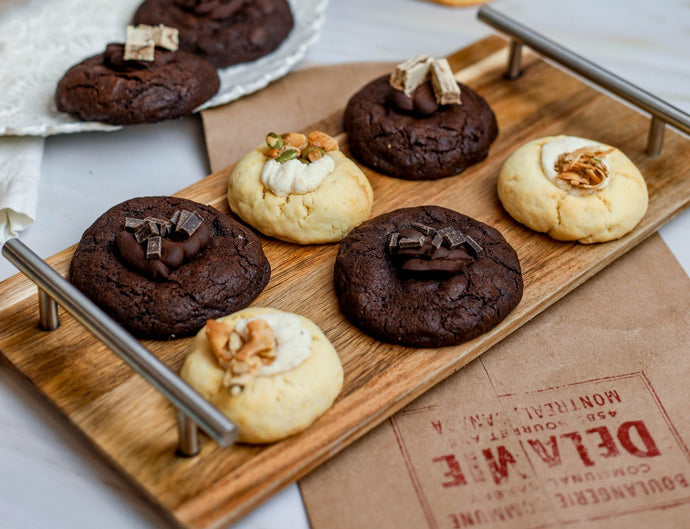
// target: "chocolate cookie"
[[224, 32], [426, 277], [201, 264], [109, 89], [412, 137]]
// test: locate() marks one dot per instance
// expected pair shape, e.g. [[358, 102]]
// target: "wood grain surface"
[[134, 427]]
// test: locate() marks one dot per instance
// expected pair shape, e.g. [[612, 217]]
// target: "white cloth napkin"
[[20, 168]]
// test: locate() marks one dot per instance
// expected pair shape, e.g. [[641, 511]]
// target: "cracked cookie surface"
[[376, 297], [108, 89], [406, 146], [225, 276], [565, 212], [342, 201]]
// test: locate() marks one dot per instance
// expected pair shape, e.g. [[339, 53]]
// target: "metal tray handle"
[[661, 111], [193, 409]]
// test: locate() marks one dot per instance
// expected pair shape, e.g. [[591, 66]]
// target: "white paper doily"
[[41, 39]]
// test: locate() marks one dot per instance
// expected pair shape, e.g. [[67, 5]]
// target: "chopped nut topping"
[[241, 359], [218, 335], [322, 140], [261, 342], [583, 167], [294, 145], [295, 139]]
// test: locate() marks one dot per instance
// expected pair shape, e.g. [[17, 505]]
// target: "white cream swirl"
[[294, 176]]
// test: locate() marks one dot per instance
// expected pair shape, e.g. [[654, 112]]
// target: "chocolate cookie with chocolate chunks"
[[162, 266], [224, 32], [418, 131], [110, 89], [426, 276]]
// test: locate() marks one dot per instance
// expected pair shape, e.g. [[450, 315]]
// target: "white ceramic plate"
[[41, 39]]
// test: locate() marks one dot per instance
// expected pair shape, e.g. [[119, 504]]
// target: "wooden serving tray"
[[134, 427]]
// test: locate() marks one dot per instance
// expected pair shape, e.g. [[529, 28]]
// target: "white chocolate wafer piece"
[[410, 74], [446, 88]]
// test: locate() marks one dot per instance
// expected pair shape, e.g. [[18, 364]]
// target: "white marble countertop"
[[48, 476]]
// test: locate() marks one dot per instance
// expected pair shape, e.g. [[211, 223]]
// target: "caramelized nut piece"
[[260, 340], [239, 368], [273, 153], [322, 140], [218, 335], [295, 139], [254, 363]]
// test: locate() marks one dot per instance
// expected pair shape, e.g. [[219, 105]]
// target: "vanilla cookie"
[[300, 189], [272, 373], [573, 189]]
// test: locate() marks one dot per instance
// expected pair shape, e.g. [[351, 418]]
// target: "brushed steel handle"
[[662, 112], [193, 410]]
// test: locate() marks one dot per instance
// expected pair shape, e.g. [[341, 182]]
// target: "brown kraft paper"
[[579, 419], [296, 101]]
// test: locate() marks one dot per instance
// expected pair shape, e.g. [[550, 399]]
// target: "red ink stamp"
[[582, 452]]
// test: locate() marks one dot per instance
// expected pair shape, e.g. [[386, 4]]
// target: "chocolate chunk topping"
[[455, 239], [188, 224], [474, 245], [156, 246], [181, 218], [410, 242], [146, 230], [426, 252], [133, 224], [175, 217], [164, 226], [393, 243], [423, 228]]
